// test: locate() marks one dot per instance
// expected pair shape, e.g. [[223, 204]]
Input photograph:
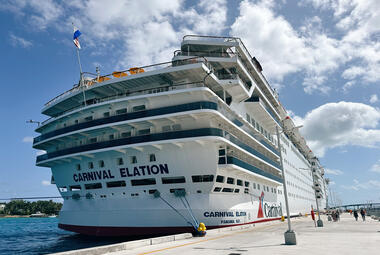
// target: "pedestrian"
[[362, 213], [337, 215], [356, 215]]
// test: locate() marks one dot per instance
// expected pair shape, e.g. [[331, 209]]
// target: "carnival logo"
[[260, 214]]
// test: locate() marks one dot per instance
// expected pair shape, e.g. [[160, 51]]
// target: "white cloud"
[[369, 185], [45, 183], [311, 49], [337, 124], [376, 168], [373, 99], [27, 139], [17, 41], [333, 171]]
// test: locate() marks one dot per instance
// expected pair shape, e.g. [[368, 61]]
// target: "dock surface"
[[344, 237]]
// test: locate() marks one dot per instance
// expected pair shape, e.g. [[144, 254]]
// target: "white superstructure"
[[158, 149]]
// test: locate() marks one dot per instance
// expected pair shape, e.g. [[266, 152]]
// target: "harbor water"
[[32, 236]]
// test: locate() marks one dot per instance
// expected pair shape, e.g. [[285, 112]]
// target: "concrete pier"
[[344, 237]]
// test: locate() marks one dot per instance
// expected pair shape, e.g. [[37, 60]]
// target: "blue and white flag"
[[77, 33]]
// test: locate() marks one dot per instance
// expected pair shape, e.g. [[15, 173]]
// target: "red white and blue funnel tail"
[[77, 33]]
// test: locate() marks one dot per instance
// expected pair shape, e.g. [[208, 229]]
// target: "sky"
[[322, 56]]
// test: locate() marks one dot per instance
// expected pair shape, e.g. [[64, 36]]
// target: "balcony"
[[126, 82], [235, 86], [233, 162], [263, 113]]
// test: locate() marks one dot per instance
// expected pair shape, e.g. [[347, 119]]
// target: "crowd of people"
[[335, 214], [356, 214]]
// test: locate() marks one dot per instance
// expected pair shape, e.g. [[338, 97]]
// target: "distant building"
[[2, 207]]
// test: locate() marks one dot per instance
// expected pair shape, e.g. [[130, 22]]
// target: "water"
[[32, 236]]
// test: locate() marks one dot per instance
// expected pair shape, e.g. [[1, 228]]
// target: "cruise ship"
[[159, 149]]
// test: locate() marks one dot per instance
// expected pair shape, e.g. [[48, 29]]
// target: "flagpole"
[[81, 84], [80, 66]]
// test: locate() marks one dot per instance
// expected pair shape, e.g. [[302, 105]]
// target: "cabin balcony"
[[237, 165], [235, 86], [263, 113]]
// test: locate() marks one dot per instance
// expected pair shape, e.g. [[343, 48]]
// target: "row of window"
[[116, 135], [259, 128], [119, 161], [141, 182], [106, 114], [230, 180]]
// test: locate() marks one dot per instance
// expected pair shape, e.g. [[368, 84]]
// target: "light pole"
[[290, 235], [319, 221]]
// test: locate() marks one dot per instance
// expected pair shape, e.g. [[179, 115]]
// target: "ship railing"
[[160, 89], [90, 79]]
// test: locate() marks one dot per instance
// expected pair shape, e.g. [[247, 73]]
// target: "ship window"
[[227, 190], [93, 140], [220, 178], [76, 121], [111, 137], [121, 111], [222, 160], [88, 118], [166, 128], [264, 188], [253, 122], [101, 163], [181, 190], [133, 159], [230, 180], [246, 191], [126, 134], [171, 180], [254, 185], [141, 182], [258, 186], [222, 152], [152, 157], [120, 161], [239, 182], [236, 190], [93, 185], [63, 189], [116, 184], [138, 108], [176, 127], [217, 189], [144, 131], [267, 188], [152, 191], [248, 118], [78, 167], [90, 165], [106, 114], [75, 187], [271, 189], [203, 178], [246, 184]]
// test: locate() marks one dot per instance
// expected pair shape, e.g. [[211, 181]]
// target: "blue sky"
[[322, 56]]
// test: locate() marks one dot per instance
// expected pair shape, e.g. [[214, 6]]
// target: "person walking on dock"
[[362, 213], [356, 215]]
